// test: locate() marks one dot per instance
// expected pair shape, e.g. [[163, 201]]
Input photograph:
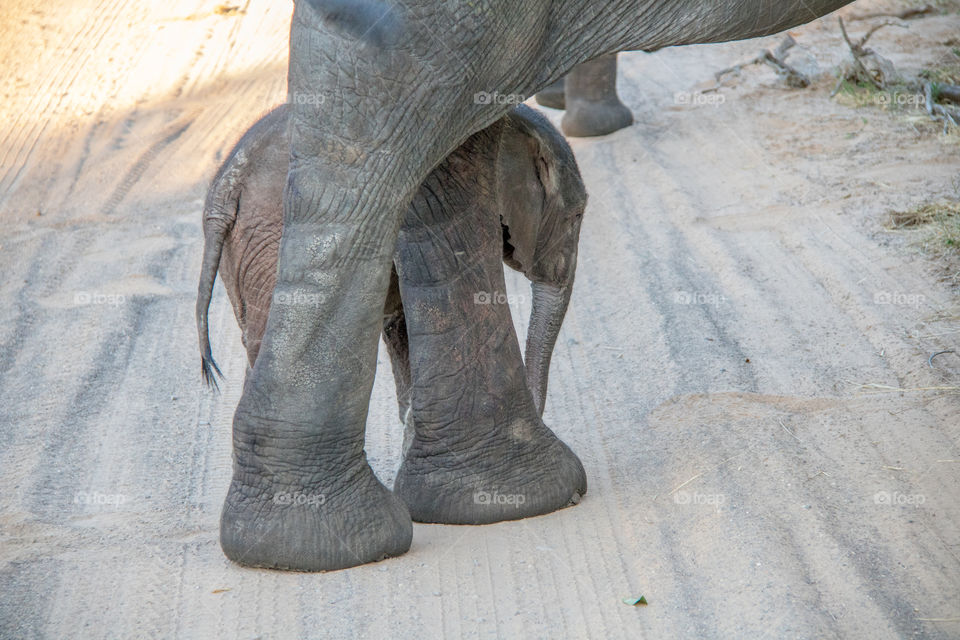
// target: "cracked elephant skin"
[[510, 192], [397, 82]]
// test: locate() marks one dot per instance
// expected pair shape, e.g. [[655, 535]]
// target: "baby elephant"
[[511, 192], [539, 196]]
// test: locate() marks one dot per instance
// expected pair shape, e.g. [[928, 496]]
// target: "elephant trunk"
[[549, 307]]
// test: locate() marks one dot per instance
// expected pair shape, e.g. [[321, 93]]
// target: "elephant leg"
[[593, 107], [303, 496], [552, 96], [480, 452]]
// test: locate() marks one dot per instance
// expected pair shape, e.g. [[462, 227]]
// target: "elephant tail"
[[372, 21], [208, 274], [219, 216]]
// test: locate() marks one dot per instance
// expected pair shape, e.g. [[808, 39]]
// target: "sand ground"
[[744, 369]]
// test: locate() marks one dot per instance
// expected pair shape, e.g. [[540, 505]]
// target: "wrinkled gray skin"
[[589, 94], [527, 180], [511, 192], [398, 82]]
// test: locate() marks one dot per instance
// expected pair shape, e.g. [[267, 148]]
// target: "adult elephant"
[[382, 92]]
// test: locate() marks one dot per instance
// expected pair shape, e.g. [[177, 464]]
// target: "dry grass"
[[937, 226], [897, 99], [943, 212]]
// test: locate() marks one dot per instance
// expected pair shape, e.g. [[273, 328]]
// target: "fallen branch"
[[938, 111], [775, 59], [859, 51], [868, 66], [883, 74]]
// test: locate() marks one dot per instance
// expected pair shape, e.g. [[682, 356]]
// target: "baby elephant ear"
[[522, 196], [530, 182]]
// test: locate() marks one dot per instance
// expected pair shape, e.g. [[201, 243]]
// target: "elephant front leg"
[[303, 496], [479, 453]]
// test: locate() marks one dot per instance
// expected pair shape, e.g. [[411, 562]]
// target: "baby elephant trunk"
[[549, 307]]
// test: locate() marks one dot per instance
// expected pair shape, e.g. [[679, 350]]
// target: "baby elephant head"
[[541, 202]]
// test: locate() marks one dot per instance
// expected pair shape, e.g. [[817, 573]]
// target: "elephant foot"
[[586, 119], [518, 471], [314, 528], [321, 522], [552, 96]]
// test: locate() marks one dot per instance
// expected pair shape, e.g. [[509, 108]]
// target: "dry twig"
[[938, 353], [859, 51], [776, 60]]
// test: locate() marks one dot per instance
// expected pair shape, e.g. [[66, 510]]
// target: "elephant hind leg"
[[593, 107]]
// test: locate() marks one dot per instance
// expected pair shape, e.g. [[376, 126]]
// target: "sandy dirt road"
[[743, 370]]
